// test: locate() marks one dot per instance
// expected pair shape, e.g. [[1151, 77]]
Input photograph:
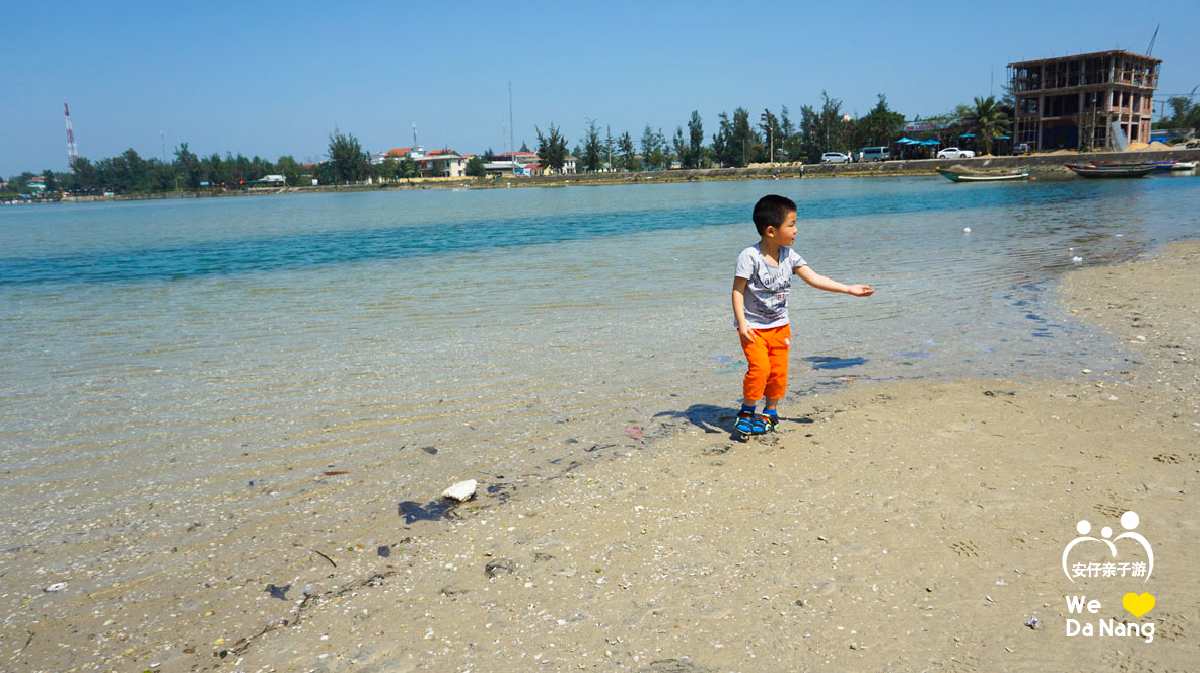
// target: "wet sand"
[[915, 525]]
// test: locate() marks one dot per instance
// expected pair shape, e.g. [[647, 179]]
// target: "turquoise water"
[[231, 336], [148, 241]]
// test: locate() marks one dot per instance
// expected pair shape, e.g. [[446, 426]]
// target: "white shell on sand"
[[462, 491]]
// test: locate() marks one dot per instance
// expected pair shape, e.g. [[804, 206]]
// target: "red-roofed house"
[[442, 164]]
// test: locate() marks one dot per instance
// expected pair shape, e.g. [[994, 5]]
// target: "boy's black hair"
[[771, 210]]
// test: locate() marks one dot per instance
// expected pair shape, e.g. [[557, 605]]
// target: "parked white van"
[[874, 154]]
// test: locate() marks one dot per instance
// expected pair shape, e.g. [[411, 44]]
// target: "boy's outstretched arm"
[[739, 310], [829, 285]]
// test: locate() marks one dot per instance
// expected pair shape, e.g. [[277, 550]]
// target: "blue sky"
[[271, 78]]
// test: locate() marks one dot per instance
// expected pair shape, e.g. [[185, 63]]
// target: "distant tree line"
[[1185, 114], [736, 141]]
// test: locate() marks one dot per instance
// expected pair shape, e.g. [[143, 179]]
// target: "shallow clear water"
[[194, 344]]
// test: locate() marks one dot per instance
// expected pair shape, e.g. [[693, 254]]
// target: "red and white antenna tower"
[[72, 151]]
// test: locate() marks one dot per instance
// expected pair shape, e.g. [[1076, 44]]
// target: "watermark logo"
[[1129, 521], [1137, 604]]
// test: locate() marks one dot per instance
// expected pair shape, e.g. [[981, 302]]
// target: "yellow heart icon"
[[1138, 605]]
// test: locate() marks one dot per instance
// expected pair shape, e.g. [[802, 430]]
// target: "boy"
[[762, 279]]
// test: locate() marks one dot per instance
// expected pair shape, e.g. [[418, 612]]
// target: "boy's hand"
[[746, 334], [860, 290]]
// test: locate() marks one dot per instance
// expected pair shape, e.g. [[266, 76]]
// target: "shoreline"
[[716, 555], [1043, 166], [704, 554]]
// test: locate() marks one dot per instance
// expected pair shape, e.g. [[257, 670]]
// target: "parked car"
[[1021, 148], [835, 158], [955, 153], [874, 154]]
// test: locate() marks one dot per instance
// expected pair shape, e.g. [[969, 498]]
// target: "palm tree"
[[990, 121]]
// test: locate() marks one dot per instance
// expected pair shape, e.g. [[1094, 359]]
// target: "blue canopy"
[[905, 141], [966, 135], [1005, 137], [931, 142]]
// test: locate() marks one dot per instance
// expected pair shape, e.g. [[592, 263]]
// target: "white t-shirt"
[[767, 285]]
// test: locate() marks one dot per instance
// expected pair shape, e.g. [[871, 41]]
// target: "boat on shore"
[[1134, 171], [979, 177], [1181, 166], [1117, 164]]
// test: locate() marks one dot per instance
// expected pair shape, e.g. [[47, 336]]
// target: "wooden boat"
[[964, 177], [1182, 166], [1117, 164], [1137, 171]]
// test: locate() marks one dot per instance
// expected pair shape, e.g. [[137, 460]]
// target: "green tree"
[[475, 167], [879, 127], [720, 143], [592, 148], [628, 155], [990, 121], [1184, 113], [679, 146], [390, 169], [349, 163], [187, 166], [289, 169], [653, 148], [695, 141], [552, 147], [84, 175], [832, 126], [608, 144], [160, 177], [809, 142], [51, 181], [742, 138], [129, 172], [769, 124], [788, 140], [19, 184]]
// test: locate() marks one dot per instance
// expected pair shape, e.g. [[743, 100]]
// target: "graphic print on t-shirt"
[[767, 285]]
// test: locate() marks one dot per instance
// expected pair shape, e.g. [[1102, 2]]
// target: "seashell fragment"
[[462, 491]]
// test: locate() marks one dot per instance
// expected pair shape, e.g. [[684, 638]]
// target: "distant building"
[[520, 157], [503, 164], [1101, 100], [398, 153], [36, 185], [442, 164]]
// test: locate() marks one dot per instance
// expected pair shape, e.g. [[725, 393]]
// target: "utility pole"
[[771, 131], [512, 147], [162, 140]]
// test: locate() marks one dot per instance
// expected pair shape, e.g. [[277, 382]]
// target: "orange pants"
[[767, 363]]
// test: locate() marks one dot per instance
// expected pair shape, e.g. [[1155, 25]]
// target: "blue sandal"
[[747, 423], [768, 422]]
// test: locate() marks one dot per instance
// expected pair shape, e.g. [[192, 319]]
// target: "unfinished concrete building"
[[1076, 102]]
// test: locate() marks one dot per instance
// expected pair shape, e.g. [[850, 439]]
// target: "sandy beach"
[[910, 526]]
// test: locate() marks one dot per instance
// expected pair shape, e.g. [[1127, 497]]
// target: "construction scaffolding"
[[1073, 102]]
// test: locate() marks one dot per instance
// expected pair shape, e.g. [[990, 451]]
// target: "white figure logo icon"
[[1129, 520]]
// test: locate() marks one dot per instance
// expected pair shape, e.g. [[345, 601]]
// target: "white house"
[[442, 164]]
